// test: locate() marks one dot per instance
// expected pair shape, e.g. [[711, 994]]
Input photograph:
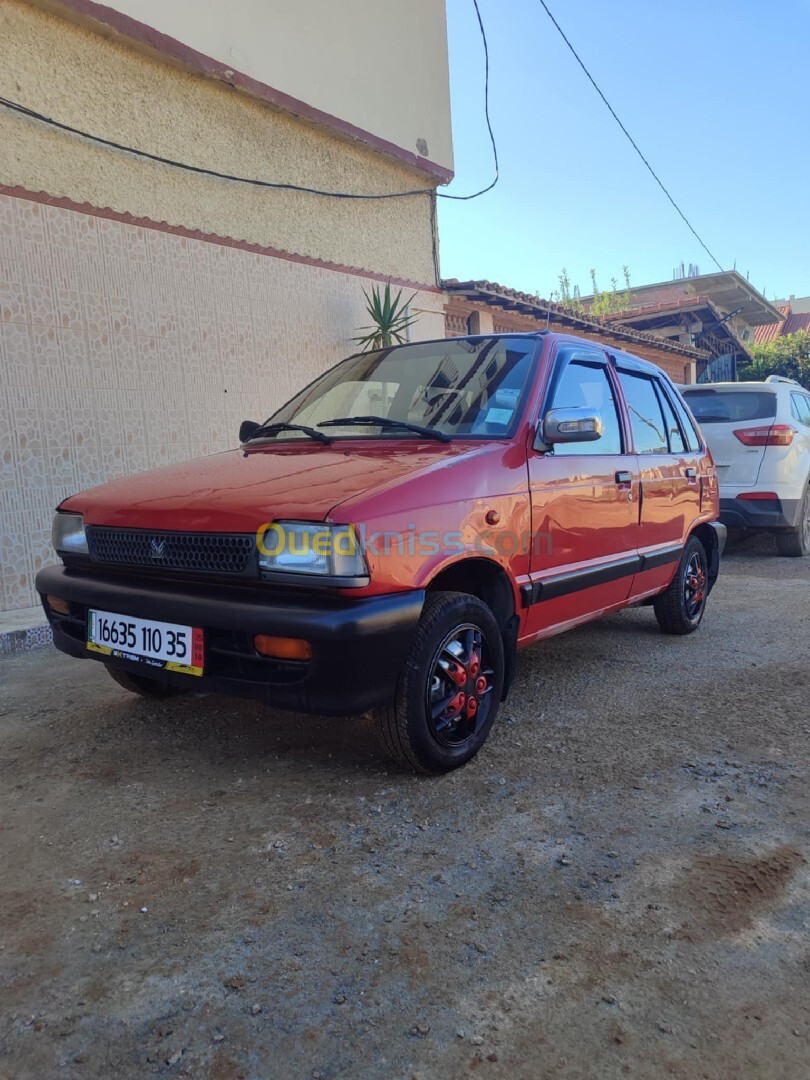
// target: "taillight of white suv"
[[775, 435]]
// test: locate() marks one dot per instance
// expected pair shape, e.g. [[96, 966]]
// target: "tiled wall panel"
[[123, 348]]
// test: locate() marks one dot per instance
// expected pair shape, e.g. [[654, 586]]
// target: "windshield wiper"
[[364, 421], [275, 429]]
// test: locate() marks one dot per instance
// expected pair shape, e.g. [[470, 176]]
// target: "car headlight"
[[333, 553], [67, 534]]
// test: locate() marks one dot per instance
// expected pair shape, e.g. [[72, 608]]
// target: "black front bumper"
[[759, 513], [358, 646]]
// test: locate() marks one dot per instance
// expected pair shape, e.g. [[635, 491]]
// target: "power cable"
[[32, 114], [632, 141]]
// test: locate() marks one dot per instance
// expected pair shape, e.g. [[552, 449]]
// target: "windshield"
[[730, 406], [457, 387]]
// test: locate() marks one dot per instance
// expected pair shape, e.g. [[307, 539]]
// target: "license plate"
[[155, 644]]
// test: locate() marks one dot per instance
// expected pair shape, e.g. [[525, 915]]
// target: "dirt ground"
[[617, 886]]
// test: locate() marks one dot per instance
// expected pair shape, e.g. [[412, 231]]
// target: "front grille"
[[213, 553]]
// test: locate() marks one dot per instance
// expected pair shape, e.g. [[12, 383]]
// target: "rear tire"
[[794, 543], [138, 684], [680, 609], [450, 689]]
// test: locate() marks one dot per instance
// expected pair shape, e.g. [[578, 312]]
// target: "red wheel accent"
[[480, 684], [694, 583], [475, 664], [472, 706], [457, 674], [458, 703]]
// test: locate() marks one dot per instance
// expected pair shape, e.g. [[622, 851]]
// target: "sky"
[[715, 92]]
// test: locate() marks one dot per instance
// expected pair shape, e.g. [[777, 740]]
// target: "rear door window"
[[677, 445], [646, 417], [730, 406], [693, 440]]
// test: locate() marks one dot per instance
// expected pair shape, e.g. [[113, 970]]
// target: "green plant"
[[788, 356], [602, 303], [389, 319], [565, 296], [607, 303]]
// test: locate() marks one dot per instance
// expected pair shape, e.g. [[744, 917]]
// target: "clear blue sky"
[[715, 92]]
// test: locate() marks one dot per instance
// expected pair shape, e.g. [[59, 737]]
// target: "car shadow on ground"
[[212, 729]]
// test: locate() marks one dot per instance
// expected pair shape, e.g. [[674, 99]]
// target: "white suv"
[[759, 436]]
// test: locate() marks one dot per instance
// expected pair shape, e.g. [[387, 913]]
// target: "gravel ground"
[[616, 886]]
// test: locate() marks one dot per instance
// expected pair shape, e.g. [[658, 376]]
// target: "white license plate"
[[155, 644]]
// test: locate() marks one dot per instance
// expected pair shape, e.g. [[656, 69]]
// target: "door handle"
[[624, 478], [690, 473]]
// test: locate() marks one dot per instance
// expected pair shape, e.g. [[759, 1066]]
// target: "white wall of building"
[[378, 65]]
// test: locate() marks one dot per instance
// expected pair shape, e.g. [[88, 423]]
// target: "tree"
[[788, 356]]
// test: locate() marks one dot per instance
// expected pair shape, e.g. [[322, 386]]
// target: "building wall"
[[145, 311], [123, 348], [379, 67], [108, 88]]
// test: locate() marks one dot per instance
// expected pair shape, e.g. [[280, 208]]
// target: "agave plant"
[[389, 319]]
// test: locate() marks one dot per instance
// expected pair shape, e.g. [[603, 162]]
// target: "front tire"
[[796, 542], [450, 688], [680, 609]]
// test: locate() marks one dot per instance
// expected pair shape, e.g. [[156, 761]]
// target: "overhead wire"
[[632, 141], [33, 114], [278, 185]]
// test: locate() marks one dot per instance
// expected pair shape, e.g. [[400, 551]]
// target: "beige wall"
[[76, 75], [379, 65], [124, 348], [126, 345]]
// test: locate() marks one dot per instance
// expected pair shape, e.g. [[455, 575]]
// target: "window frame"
[[661, 388], [653, 379], [689, 425], [568, 353]]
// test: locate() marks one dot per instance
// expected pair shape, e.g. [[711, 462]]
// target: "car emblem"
[[157, 549]]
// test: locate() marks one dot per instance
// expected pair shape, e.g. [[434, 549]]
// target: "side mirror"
[[572, 426], [247, 429]]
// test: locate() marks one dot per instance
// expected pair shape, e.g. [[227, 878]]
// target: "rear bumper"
[[358, 646], [759, 513]]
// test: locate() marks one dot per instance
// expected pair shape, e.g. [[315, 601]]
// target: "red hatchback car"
[[390, 537]]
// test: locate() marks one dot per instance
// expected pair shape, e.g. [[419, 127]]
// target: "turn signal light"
[[773, 435], [282, 648], [55, 603]]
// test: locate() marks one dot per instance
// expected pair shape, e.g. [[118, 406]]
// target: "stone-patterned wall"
[[106, 85], [124, 347]]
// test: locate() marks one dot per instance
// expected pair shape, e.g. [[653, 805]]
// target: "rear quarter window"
[[730, 406]]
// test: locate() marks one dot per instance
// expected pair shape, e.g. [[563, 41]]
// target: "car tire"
[[680, 609], [795, 543], [138, 684], [450, 689]]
